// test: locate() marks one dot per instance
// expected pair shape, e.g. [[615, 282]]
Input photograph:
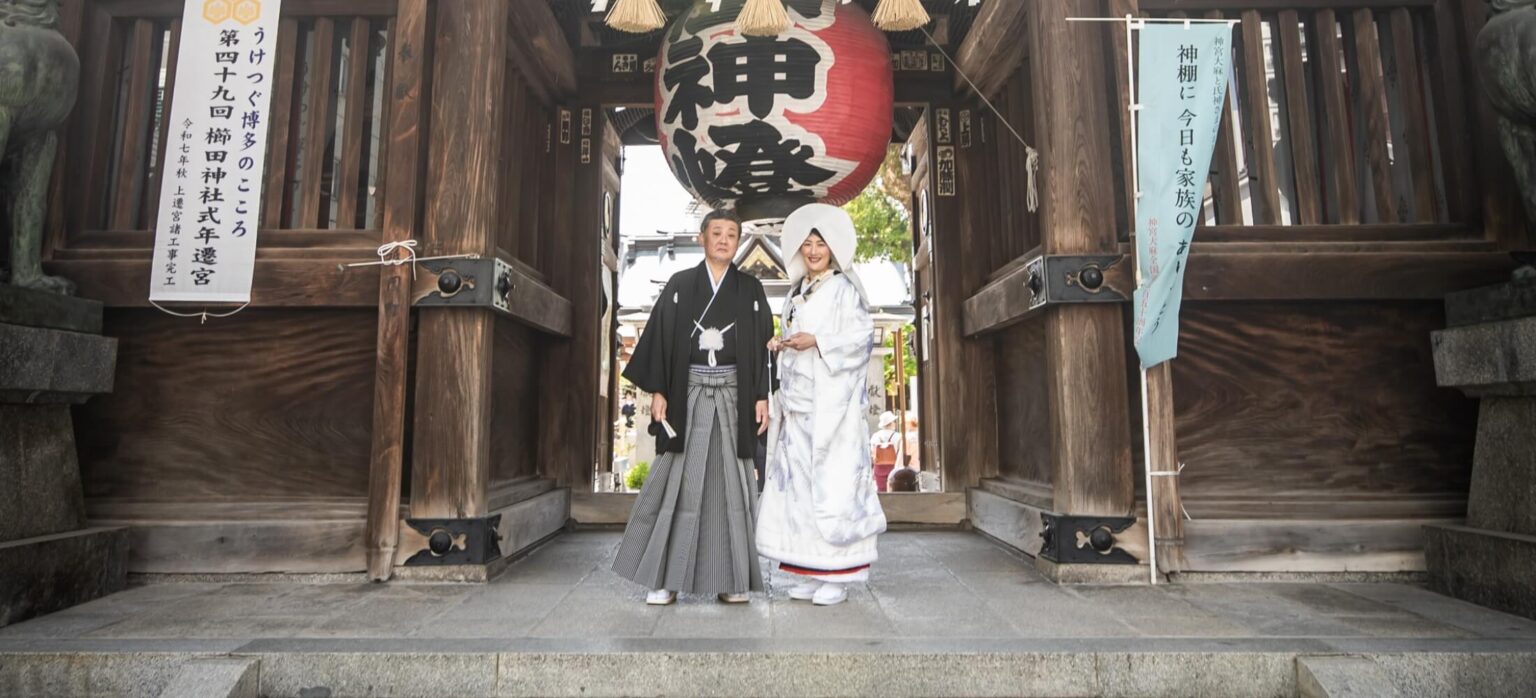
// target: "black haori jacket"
[[660, 361]]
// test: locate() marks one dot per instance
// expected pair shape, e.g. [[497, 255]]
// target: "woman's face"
[[818, 257]]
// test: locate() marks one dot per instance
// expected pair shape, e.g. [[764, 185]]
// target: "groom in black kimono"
[[703, 357]]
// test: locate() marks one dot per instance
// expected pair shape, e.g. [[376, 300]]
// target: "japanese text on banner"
[[210, 194], [1182, 86]]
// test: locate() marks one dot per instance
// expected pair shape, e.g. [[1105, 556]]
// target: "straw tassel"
[[636, 16], [762, 18], [900, 15]]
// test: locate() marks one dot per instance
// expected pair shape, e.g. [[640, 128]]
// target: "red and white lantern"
[[802, 116]]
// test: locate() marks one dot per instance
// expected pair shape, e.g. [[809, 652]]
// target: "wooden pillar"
[[450, 462], [961, 259], [571, 246], [1085, 344], [407, 85]]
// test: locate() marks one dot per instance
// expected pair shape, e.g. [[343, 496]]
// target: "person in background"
[[886, 449]]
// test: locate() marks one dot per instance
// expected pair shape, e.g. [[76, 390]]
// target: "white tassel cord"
[[900, 15], [636, 16], [763, 18]]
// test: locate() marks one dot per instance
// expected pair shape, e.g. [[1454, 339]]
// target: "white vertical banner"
[[210, 194]]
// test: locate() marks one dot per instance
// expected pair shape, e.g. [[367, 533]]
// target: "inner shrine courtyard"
[[312, 341]]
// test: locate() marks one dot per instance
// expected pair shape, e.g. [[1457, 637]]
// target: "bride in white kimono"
[[819, 515]]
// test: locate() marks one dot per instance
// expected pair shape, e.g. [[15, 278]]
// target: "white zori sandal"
[[661, 597], [804, 592], [830, 595]]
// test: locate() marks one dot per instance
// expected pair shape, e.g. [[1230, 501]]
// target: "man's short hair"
[[719, 214]]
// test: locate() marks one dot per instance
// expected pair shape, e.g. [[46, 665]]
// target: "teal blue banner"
[[1182, 88]]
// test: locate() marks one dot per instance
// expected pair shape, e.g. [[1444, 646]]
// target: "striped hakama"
[[692, 526]]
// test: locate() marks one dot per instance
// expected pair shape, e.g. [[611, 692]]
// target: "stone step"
[[215, 678], [1342, 677], [697, 667]]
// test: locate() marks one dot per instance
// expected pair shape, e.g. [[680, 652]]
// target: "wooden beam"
[[130, 177], [1324, 271], [1410, 84], [559, 445], [539, 49], [1164, 508], [152, 192], [275, 191], [1373, 91], [993, 49], [350, 141], [1084, 345], [1227, 198], [1263, 175], [1452, 111], [1299, 115], [1276, 5], [1251, 276], [450, 461], [167, 9], [319, 123], [1224, 545], [404, 158], [277, 283], [1340, 171]]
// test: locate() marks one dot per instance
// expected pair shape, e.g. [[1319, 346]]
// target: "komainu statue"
[[39, 77], [1506, 56]]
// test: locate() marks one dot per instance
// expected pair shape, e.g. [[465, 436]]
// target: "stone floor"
[[932, 591], [926, 585]]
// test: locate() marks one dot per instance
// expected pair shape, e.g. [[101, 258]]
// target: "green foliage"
[[635, 479], [880, 217]]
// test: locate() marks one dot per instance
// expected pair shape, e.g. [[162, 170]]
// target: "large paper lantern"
[[775, 121]]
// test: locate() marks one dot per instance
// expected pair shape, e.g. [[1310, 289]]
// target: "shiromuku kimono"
[[704, 348], [820, 514]]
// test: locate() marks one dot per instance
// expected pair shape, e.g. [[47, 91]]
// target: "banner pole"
[[1132, 115]]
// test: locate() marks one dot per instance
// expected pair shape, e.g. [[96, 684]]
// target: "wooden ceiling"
[[585, 30]]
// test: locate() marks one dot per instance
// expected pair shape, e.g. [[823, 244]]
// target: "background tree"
[[880, 214]]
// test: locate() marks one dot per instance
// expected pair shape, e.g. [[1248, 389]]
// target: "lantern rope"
[[763, 18], [1032, 156], [636, 16], [900, 15]]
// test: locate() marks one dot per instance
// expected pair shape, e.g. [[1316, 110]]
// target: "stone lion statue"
[[39, 77], [1506, 56]]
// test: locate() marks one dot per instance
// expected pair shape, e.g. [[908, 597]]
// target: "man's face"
[[720, 241]]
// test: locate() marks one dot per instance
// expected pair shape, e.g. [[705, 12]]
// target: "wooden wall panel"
[[1023, 404], [1329, 400], [514, 402], [264, 404]]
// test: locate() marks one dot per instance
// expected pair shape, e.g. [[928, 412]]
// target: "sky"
[[650, 198]]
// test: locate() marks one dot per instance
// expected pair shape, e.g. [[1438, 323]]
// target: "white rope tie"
[[389, 258]]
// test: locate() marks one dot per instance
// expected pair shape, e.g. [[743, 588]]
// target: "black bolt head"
[[440, 542], [504, 286], [1035, 284], [1101, 539], [449, 282], [1091, 278]]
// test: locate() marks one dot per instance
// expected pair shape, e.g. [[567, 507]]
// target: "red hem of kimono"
[[808, 572]]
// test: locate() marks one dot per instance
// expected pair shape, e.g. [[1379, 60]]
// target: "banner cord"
[[204, 315]]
